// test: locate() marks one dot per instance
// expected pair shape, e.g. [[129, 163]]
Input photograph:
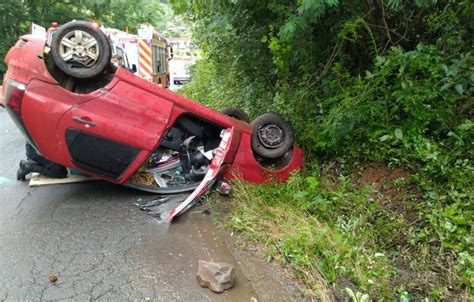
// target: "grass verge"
[[345, 239]]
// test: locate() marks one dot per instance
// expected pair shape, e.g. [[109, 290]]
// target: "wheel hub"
[[79, 47], [271, 136]]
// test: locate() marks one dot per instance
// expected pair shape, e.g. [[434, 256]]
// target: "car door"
[[113, 134], [43, 106]]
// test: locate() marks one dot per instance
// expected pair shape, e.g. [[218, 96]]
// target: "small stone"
[[53, 278], [217, 276]]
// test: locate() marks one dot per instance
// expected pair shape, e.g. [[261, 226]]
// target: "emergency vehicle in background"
[[185, 55], [148, 51]]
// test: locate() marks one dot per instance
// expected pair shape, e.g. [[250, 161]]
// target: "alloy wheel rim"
[[79, 47]]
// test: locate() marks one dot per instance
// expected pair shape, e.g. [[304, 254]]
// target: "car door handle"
[[83, 121]]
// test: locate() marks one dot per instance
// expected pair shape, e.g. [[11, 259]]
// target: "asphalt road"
[[101, 246]]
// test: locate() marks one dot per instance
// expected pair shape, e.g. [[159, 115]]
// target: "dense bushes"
[[361, 81]]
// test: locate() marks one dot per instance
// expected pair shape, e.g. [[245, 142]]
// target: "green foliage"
[[357, 297], [16, 16], [322, 234], [361, 81], [328, 234]]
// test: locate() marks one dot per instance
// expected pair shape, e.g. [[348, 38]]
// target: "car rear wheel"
[[272, 137], [236, 113], [81, 50]]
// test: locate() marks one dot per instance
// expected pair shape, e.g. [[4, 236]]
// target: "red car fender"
[[246, 167], [28, 61]]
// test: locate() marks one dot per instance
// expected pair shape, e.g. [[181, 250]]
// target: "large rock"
[[217, 276]]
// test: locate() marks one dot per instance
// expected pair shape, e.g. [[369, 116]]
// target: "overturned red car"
[[80, 111]]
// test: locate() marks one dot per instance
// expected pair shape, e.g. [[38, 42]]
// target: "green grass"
[[338, 236]]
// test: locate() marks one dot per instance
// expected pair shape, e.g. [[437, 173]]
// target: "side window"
[[156, 59], [159, 59], [122, 53], [125, 60], [162, 59]]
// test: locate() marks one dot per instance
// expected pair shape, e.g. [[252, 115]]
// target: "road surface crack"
[[19, 207]]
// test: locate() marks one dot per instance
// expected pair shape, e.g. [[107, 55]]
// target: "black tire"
[[272, 137], [236, 113], [81, 66]]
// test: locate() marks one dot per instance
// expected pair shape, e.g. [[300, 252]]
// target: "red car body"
[[128, 112]]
